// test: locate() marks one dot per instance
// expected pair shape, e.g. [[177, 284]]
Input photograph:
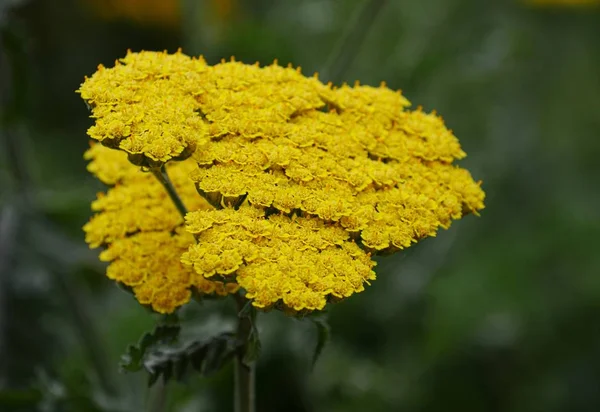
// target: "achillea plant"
[[272, 186]]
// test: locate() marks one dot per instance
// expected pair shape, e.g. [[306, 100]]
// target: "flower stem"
[[158, 399], [163, 178], [244, 371]]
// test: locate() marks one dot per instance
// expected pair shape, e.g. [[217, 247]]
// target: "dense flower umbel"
[[143, 231], [146, 106], [324, 176], [298, 260]]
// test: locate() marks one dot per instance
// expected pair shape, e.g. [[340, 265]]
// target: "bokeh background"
[[499, 313]]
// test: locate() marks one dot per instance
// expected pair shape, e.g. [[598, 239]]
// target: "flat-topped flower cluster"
[[292, 185]]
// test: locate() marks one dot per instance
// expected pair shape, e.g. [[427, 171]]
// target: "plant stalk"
[[163, 178], [158, 399], [244, 371]]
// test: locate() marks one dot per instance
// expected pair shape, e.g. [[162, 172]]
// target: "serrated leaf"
[[219, 352], [197, 355], [180, 368], [206, 357], [323, 333], [133, 360], [167, 370], [156, 353]]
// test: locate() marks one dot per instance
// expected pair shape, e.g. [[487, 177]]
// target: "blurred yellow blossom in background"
[[306, 181]]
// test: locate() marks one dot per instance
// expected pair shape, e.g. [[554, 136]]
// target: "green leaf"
[[167, 333], [218, 352], [205, 357], [163, 356], [323, 334]]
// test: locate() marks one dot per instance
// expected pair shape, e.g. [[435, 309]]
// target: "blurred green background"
[[499, 313]]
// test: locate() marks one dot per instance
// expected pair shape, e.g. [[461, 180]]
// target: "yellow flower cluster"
[[351, 156], [299, 261], [143, 232], [309, 180], [147, 107]]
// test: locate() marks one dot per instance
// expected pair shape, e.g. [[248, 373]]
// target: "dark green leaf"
[[167, 369], [218, 352], [206, 357], [133, 360], [180, 368]]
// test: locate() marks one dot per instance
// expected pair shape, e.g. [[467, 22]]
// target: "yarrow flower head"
[[143, 233], [143, 106], [297, 183]]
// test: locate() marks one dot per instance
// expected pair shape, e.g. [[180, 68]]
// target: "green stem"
[[346, 49], [158, 397], [244, 372], [163, 178]]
